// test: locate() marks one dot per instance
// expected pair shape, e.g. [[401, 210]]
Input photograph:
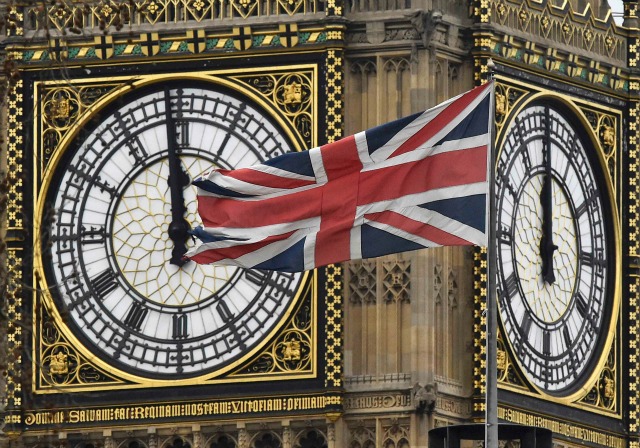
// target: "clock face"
[[552, 249], [123, 208]]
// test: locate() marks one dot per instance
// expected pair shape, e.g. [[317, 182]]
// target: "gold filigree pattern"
[[14, 255], [506, 99], [334, 274], [507, 371], [633, 219], [293, 349], [291, 6], [479, 328], [60, 363], [245, 8], [335, 104], [333, 286], [293, 94], [62, 108], [605, 126], [14, 19], [604, 392]]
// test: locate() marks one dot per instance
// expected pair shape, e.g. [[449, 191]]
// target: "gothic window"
[[267, 440], [312, 439], [361, 95], [125, 444], [397, 89], [178, 442], [361, 437], [223, 441], [396, 436]]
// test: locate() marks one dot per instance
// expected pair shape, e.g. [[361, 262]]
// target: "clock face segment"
[[553, 323], [111, 249]]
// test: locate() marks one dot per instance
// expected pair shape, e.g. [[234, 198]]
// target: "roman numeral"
[[93, 235], [227, 316], [136, 149], [180, 326], [502, 180], [546, 343], [583, 308], [182, 132], [136, 315], [104, 283], [592, 260], [588, 203], [525, 325], [567, 337], [526, 158], [256, 277], [505, 235], [511, 285], [104, 186]]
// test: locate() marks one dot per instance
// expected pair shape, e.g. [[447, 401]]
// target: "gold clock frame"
[[113, 88], [505, 114]]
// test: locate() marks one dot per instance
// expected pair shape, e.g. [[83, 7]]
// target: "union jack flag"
[[418, 182]]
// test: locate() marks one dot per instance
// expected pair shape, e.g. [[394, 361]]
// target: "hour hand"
[[179, 227], [547, 248], [178, 179]]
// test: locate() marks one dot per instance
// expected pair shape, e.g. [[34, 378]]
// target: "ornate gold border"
[[334, 273], [633, 217], [116, 87], [578, 107], [15, 254], [564, 428]]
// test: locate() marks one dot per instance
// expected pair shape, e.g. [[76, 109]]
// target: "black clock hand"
[[178, 179], [547, 248]]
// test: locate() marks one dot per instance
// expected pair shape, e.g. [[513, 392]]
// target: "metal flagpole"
[[491, 366]]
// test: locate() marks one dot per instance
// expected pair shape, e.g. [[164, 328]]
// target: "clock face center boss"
[[124, 207], [554, 249]]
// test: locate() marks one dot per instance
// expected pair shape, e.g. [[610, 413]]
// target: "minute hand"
[[547, 248], [178, 179]]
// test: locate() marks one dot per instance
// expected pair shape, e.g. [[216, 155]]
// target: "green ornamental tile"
[[165, 46]]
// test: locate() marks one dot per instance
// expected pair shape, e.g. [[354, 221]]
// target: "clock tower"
[[110, 339]]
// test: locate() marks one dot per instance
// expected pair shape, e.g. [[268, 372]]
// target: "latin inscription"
[[209, 408]]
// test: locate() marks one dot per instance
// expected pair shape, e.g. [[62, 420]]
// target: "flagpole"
[[491, 372]]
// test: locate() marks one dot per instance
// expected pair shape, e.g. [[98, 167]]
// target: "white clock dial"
[[124, 208], [553, 274]]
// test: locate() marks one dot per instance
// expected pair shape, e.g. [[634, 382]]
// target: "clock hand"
[[547, 248], [178, 179]]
